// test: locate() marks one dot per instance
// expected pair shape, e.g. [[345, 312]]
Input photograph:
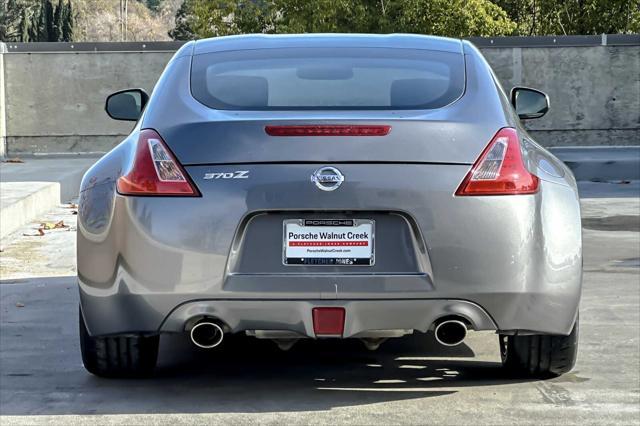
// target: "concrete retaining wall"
[[55, 101], [3, 110], [54, 93], [594, 91]]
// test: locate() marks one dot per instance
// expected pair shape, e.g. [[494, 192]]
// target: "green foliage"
[[36, 20], [9, 20], [54, 20], [67, 22], [325, 16], [49, 19], [153, 4], [185, 21], [58, 21], [453, 18], [25, 25], [458, 18], [553, 17], [38, 29]]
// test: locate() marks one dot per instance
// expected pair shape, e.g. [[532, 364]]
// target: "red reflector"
[[500, 170], [328, 321], [333, 130], [155, 171]]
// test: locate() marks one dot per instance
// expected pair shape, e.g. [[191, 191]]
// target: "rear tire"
[[118, 356], [540, 355]]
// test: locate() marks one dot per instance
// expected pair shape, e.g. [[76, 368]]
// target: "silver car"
[[328, 186]]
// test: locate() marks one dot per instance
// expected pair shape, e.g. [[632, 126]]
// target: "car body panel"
[[172, 251]]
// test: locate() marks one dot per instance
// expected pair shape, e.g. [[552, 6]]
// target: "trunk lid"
[[245, 141]]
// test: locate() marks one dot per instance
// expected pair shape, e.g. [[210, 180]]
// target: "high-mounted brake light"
[[155, 170], [328, 130], [500, 169]]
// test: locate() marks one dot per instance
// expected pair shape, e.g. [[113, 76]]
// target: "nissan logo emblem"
[[327, 178]]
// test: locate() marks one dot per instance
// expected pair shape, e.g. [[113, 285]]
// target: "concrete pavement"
[[27, 254], [410, 380]]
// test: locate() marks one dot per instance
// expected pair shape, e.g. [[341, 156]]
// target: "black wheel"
[[118, 356], [540, 355]]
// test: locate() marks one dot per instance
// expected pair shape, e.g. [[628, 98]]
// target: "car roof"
[[274, 41]]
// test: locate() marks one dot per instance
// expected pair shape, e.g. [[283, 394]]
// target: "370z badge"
[[238, 174]]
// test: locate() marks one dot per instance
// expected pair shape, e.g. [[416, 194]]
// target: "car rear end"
[[328, 186]]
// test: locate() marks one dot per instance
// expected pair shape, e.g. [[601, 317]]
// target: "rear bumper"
[[126, 312], [296, 316]]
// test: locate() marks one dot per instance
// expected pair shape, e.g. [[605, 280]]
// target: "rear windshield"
[[327, 79]]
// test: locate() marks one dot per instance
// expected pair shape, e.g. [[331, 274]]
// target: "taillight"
[[500, 169], [329, 130], [155, 170]]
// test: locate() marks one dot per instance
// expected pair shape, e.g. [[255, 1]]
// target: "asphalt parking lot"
[[410, 380]]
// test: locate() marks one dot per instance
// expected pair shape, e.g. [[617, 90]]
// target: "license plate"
[[328, 242]]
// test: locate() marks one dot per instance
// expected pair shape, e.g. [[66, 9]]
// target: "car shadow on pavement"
[[250, 375], [41, 370]]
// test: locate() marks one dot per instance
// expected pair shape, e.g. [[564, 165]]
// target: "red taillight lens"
[[332, 130], [155, 170], [500, 169]]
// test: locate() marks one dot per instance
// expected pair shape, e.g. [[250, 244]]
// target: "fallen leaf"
[[13, 160], [19, 305], [53, 225], [72, 206]]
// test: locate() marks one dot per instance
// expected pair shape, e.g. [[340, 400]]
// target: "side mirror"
[[529, 103], [126, 104]]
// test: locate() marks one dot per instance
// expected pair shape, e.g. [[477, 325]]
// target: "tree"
[[202, 18], [184, 21], [25, 25], [9, 20], [100, 20], [58, 22], [345, 16], [49, 13], [153, 5], [38, 28], [67, 23], [453, 18], [553, 17]]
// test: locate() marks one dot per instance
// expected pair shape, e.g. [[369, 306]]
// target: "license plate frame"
[[338, 256]]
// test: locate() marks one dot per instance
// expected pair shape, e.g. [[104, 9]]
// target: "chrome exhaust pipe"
[[450, 332], [207, 334]]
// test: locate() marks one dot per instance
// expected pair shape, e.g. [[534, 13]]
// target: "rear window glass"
[[327, 79]]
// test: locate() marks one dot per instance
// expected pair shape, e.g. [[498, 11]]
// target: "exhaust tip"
[[451, 332], [206, 335]]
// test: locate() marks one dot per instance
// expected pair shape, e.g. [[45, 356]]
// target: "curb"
[[601, 164], [28, 192], [32, 200]]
